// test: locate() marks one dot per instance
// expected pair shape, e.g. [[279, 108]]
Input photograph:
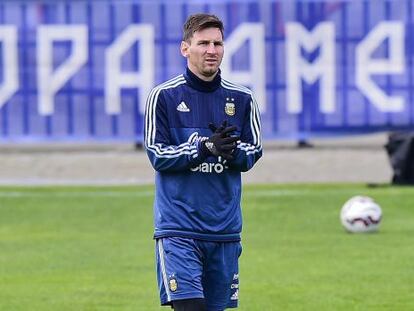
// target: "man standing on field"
[[201, 132]]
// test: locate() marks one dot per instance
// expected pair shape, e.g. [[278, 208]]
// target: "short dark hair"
[[200, 21]]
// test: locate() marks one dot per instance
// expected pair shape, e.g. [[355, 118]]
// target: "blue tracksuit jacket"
[[198, 196]]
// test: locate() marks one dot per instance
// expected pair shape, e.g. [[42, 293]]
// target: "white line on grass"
[[149, 193], [313, 192], [72, 194], [144, 193]]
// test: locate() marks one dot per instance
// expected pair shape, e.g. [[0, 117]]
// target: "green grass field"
[[89, 248]]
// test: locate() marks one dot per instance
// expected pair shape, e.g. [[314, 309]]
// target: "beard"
[[209, 72]]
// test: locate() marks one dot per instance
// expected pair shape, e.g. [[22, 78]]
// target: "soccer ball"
[[361, 214]]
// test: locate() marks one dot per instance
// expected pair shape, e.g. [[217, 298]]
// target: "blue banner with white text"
[[81, 70]]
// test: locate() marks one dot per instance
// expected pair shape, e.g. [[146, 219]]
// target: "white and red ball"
[[361, 214]]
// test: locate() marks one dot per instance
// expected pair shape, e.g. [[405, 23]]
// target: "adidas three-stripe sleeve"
[[163, 155]]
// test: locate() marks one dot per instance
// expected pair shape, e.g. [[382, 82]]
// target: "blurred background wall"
[[80, 71]]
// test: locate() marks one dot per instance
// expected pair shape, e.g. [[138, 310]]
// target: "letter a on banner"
[[49, 81], [115, 79], [322, 68], [255, 76]]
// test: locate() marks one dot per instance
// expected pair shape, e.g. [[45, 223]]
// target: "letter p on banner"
[[8, 38], [49, 81]]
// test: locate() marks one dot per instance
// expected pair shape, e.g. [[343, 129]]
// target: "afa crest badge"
[[230, 107], [173, 285]]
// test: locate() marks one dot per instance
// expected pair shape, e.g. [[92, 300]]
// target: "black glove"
[[220, 143], [219, 129]]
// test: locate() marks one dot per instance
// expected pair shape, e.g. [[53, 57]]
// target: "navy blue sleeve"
[[165, 156], [249, 148]]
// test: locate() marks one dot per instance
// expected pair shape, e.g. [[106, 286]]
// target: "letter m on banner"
[[323, 68]]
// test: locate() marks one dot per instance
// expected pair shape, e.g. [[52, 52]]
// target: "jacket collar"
[[200, 85]]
